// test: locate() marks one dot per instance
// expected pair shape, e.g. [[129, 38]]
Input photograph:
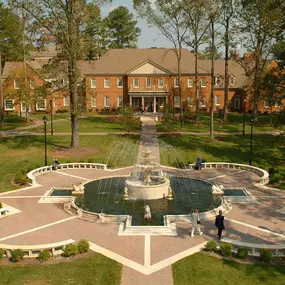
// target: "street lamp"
[[243, 126], [45, 119], [251, 129], [51, 121]]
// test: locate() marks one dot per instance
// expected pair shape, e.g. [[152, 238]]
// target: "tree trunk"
[[180, 89], [212, 81], [196, 84], [1, 95], [225, 111]]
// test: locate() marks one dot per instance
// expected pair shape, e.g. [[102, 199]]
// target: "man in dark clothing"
[[219, 223], [198, 163]]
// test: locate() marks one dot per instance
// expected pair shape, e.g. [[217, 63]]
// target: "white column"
[[154, 104], [131, 100], [166, 100], [143, 103]]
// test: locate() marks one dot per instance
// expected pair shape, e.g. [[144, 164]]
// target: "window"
[[136, 83], [16, 84], [218, 100], [237, 103], [93, 83], [120, 82], [65, 101], [176, 101], [120, 101], [203, 101], [190, 101], [190, 82], [278, 104], [106, 82], [232, 80], [107, 102], [148, 83], [9, 104], [32, 83], [176, 82], [160, 83], [217, 80], [203, 82], [24, 107], [41, 104], [266, 104], [64, 82], [93, 102]]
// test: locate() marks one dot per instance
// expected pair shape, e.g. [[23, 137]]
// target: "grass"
[[268, 150], [200, 269], [234, 124], [93, 124], [93, 270], [13, 121], [22, 153]]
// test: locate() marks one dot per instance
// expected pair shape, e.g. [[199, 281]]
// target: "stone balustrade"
[[34, 250], [254, 248]]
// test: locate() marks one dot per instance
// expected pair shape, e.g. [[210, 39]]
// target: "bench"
[[3, 211], [34, 250], [277, 249]]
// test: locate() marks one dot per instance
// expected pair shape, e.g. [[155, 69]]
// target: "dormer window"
[[232, 80], [16, 84], [32, 83], [218, 80]]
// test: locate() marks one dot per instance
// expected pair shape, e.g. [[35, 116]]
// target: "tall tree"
[[207, 53], [259, 25], [196, 18], [60, 22], [122, 28], [168, 17]]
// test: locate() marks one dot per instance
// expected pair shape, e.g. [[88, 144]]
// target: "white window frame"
[[16, 86], [23, 107], [41, 108], [237, 103], [266, 104], [93, 102], [120, 101], [190, 101], [177, 98], [5, 105], [216, 103], [136, 80], [118, 80], [202, 81], [65, 101], [92, 81], [176, 82], [277, 104], [146, 83], [32, 84], [105, 82], [190, 82], [160, 80], [64, 82], [232, 80], [105, 102]]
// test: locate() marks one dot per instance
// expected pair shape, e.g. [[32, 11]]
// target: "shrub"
[[275, 179], [1, 253], [211, 246], [265, 255], [44, 255], [83, 246], [226, 249], [17, 255], [21, 179], [242, 253], [70, 250]]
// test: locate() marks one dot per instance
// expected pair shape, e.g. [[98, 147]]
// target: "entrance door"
[[148, 104], [237, 103]]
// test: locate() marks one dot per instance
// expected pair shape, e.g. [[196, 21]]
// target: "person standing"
[[196, 223], [219, 223]]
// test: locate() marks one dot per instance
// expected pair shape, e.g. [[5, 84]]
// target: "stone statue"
[[147, 212], [126, 195], [217, 190], [169, 196]]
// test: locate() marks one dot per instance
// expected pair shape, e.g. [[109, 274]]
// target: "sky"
[[150, 36]]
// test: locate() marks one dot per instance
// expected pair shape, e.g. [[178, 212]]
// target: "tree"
[[196, 18], [259, 24], [168, 17], [122, 28], [59, 22], [207, 53]]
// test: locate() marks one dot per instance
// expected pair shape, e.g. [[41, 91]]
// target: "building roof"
[[44, 53]]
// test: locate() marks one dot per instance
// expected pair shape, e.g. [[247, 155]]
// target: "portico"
[[149, 102]]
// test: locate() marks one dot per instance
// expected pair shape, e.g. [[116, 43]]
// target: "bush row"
[[225, 249]]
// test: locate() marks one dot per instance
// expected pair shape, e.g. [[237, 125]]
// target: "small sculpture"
[[147, 212], [79, 189], [126, 195], [169, 196], [217, 190]]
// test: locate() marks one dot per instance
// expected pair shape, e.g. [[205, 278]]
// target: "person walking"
[[196, 223], [219, 223]]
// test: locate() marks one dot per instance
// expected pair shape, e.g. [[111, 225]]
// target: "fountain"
[[147, 181]]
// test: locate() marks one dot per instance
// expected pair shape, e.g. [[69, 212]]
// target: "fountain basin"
[[138, 190]]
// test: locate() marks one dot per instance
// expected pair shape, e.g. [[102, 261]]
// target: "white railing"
[[152, 88], [254, 248], [34, 250], [264, 175]]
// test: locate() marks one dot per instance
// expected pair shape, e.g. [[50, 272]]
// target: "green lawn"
[[93, 270], [13, 121], [22, 153], [234, 124], [268, 150], [200, 269], [93, 124]]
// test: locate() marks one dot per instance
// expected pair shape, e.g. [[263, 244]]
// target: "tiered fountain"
[[147, 181]]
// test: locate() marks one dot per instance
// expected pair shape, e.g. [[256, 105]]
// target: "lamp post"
[[251, 129], [51, 122], [45, 119], [243, 126]]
